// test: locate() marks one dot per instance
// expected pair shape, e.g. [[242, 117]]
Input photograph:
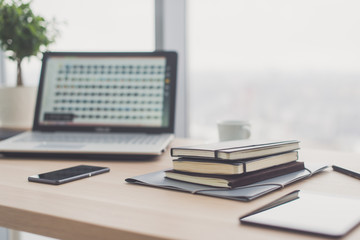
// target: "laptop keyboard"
[[93, 138]]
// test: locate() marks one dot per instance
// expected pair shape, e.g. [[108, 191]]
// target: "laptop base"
[[92, 157]]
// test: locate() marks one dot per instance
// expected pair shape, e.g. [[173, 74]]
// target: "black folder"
[[244, 193]]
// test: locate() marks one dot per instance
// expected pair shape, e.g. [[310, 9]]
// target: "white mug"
[[233, 130]]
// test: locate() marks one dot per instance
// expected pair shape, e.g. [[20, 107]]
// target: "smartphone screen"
[[68, 174]]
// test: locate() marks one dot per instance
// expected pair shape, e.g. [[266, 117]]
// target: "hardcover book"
[[232, 167], [235, 150], [237, 180]]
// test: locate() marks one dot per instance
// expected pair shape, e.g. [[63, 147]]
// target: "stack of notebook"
[[234, 163]]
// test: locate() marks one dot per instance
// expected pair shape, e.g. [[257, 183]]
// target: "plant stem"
[[19, 81]]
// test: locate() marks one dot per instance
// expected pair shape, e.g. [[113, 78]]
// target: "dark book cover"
[[238, 180]]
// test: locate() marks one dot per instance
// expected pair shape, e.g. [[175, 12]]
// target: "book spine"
[[224, 157], [261, 175]]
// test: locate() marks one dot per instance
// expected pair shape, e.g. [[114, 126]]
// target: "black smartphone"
[[68, 174]]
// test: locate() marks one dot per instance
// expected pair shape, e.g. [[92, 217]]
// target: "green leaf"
[[22, 33]]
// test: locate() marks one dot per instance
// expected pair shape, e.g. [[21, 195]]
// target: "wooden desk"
[[105, 207]]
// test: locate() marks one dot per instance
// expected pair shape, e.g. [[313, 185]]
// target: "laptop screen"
[[107, 91]]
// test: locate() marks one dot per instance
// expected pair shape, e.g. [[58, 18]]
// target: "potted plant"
[[22, 34]]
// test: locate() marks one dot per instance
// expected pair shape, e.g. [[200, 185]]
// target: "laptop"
[[101, 104]]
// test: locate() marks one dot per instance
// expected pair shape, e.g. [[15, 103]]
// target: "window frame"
[[2, 68], [170, 34]]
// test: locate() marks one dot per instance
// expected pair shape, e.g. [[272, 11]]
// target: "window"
[[107, 25], [291, 68]]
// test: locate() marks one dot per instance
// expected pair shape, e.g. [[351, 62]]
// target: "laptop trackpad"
[[59, 146]]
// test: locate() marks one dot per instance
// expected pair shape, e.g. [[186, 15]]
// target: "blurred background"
[[291, 68]]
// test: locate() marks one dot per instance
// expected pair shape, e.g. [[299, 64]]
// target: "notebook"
[[235, 150], [101, 103]]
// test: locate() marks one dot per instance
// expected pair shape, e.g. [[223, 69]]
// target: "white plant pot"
[[17, 106]]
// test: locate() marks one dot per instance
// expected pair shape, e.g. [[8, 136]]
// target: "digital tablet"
[[327, 215]]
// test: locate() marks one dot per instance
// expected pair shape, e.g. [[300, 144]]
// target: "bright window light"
[[107, 25], [292, 68]]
